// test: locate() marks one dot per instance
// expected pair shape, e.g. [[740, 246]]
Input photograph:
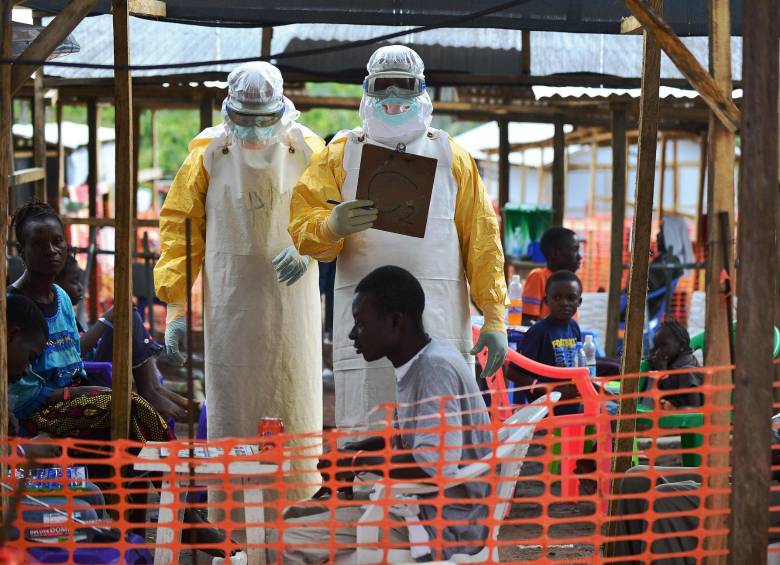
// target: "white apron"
[[436, 262], [263, 339]]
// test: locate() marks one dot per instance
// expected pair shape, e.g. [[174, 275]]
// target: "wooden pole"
[[558, 173], [6, 168], [662, 180], [52, 35], [155, 156], [265, 42], [703, 143], [640, 248], [756, 282], [123, 242], [525, 52], [93, 176], [720, 179], [618, 226], [675, 176], [594, 153], [716, 98], [206, 111], [136, 157], [39, 131], [503, 169], [60, 158]]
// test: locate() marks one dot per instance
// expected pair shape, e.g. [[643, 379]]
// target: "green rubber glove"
[[351, 217], [497, 345]]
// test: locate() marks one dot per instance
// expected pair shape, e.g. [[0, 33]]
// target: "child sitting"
[[553, 340], [561, 249], [53, 403], [98, 341], [671, 351]]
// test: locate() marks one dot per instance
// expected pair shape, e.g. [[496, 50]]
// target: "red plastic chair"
[[573, 426], [500, 406]]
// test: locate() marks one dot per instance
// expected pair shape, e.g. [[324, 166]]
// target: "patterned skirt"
[[88, 416]]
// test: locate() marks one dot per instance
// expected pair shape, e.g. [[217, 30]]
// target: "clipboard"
[[400, 185]]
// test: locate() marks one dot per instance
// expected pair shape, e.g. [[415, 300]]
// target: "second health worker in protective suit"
[[263, 348], [461, 246]]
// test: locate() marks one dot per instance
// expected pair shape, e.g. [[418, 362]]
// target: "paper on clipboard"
[[400, 186]]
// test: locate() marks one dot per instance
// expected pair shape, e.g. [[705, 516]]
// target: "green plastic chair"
[[689, 420]]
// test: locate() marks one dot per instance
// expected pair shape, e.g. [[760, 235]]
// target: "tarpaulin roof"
[[687, 17], [488, 52]]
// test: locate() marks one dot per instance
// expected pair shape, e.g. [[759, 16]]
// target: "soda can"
[[267, 428]]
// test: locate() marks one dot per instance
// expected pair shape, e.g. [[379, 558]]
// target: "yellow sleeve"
[[315, 143], [309, 211], [186, 199], [480, 242]]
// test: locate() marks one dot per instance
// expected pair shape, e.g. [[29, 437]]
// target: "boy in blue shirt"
[[553, 340]]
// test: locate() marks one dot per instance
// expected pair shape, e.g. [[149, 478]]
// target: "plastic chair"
[[572, 426], [99, 373], [690, 420], [514, 438], [500, 406]]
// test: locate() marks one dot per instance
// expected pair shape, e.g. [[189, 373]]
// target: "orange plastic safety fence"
[[509, 498]]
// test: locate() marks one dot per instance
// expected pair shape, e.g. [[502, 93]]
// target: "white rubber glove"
[[175, 332], [497, 344], [352, 217], [290, 266]]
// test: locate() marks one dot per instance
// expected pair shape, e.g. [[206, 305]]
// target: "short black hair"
[[678, 331], [555, 238], [70, 265], [562, 276], [34, 210], [395, 290], [25, 315]]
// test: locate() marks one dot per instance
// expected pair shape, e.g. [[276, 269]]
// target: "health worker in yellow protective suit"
[[461, 247], [262, 304]]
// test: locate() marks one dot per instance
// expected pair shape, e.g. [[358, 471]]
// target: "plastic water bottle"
[[515, 309], [589, 350], [579, 356]]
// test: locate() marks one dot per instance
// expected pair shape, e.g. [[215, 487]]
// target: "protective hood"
[[414, 120]]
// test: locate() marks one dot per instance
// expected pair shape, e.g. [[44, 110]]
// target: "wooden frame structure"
[[757, 258]]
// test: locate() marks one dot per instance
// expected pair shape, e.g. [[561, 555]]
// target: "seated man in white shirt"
[[388, 312]]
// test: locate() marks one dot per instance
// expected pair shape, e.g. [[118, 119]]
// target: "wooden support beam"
[[752, 445], [719, 101], [25, 176], [108, 222], [265, 41], [6, 168], [703, 143], [206, 112], [39, 132], [525, 52], [640, 248], [558, 173], [48, 40], [662, 183], [619, 150], [503, 163], [60, 159], [594, 153], [720, 179], [136, 157], [151, 8], [630, 26], [93, 176], [123, 238]]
